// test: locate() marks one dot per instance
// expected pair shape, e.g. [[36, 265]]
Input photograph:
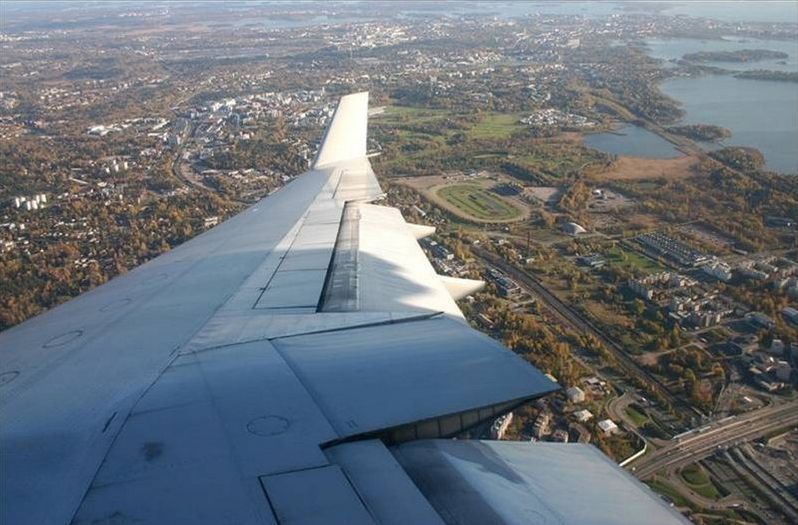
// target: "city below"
[[623, 176]]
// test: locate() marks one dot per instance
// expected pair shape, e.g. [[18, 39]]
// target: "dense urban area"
[[660, 293]]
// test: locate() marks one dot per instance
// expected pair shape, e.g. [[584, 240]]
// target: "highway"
[[186, 176], [705, 441], [578, 322]]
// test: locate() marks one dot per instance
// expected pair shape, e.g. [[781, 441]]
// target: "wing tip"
[[346, 136], [358, 94]]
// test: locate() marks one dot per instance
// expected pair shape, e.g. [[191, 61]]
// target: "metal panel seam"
[[357, 492], [369, 324], [419, 317], [172, 356]]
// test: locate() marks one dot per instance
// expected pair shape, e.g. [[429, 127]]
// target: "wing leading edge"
[[305, 344]]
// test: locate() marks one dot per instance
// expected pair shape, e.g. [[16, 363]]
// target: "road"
[[187, 176], [616, 409], [578, 322], [703, 442]]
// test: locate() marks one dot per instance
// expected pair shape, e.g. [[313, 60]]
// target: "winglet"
[[346, 135]]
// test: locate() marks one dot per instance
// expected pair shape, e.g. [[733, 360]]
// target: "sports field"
[[474, 201]]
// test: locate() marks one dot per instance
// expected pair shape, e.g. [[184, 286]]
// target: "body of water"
[[759, 113], [676, 48], [762, 114], [768, 11], [633, 141]]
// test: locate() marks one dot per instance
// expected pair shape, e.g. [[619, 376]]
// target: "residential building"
[[608, 426], [575, 394]]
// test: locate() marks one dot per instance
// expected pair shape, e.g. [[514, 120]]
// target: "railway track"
[[577, 321], [778, 493]]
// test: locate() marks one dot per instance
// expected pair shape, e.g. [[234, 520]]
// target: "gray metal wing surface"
[[267, 371]]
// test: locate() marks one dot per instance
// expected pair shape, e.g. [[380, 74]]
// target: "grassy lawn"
[[695, 475], [637, 418], [489, 126], [412, 114], [698, 480], [478, 203], [633, 261], [490, 155], [422, 132], [496, 126], [557, 159], [606, 315]]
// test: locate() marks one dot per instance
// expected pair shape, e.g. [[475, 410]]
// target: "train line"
[[578, 321]]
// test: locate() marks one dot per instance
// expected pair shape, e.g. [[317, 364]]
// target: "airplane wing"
[[300, 363]]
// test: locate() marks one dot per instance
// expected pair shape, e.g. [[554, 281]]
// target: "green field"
[[496, 126], [476, 202], [489, 125], [452, 139], [632, 261], [413, 115], [637, 418], [698, 480], [669, 491]]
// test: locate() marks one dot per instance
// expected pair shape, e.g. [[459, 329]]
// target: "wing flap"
[[461, 288], [379, 266], [373, 379], [479, 482], [315, 496], [382, 484]]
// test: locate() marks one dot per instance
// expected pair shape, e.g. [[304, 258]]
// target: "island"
[[740, 55], [766, 74], [701, 132]]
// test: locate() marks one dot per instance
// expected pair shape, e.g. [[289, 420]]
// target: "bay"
[[634, 141], [761, 114]]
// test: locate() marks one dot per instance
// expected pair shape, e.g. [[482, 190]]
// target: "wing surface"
[[283, 352]]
